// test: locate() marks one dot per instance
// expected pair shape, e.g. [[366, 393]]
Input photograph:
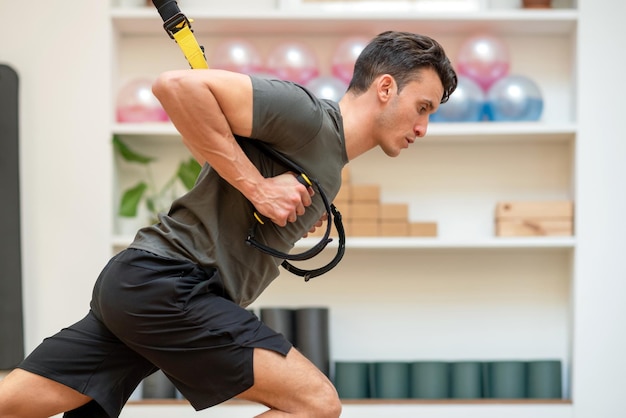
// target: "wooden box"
[[365, 193], [343, 195], [394, 229], [394, 212], [538, 209], [365, 211], [529, 228], [535, 218], [423, 229], [364, 229]]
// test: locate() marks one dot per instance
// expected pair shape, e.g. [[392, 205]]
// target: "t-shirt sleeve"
[[284, 114]]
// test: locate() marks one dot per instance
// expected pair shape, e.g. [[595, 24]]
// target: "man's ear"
[[386, 86]]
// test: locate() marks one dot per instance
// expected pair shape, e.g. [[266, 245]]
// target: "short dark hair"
[[402, 55]]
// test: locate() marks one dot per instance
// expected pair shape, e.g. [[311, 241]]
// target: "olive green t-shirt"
[[210, 223]]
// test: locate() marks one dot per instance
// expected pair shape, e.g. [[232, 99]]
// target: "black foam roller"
[[11, 319], [312, 336]]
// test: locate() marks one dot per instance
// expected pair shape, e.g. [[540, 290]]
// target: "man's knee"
[[325, 402]]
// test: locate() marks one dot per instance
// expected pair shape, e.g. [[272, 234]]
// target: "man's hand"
[[282, 198], [318, 224]]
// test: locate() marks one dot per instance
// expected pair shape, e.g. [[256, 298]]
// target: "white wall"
[[600, 288], [61, 53]]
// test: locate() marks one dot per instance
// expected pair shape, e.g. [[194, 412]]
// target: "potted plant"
[[157, 199]]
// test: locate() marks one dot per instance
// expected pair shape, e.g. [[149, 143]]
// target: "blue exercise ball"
[[466, 104], [514, 98]]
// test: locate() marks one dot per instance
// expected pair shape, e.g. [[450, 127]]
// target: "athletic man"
[[176, 299]]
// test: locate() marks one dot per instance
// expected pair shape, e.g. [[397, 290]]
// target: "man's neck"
[[357, 124]]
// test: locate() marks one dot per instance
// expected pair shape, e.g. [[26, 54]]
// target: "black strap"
[[333, 217], [166, 8]]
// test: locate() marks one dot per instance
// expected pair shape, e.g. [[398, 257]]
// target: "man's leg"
[[291, 386], [27, 395]]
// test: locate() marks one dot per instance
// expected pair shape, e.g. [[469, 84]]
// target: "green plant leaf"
[[188, 172], [151, 205], [128, 154], [131, 199]]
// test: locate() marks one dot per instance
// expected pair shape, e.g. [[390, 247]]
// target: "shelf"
[[452, 132], [371, 408], [531, 22], [399, 243]]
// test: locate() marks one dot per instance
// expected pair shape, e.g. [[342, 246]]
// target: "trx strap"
[[178, 27]]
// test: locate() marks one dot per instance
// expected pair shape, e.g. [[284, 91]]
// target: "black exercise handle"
[[309, 274], [334, 217]]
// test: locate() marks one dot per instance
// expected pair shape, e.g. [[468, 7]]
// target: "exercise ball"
[[293, 61], [136, 103], [327, 87], [514, 98], [237, 55], [484, 59], [466, 104], [345, 55]]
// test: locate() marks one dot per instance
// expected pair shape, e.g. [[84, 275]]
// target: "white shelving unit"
[[463, 295]]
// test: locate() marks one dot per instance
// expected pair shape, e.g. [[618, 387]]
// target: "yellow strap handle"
[[190, 47]]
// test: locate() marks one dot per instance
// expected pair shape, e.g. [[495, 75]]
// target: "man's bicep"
[[233, 93]]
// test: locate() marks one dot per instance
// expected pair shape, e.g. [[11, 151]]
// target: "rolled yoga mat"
[[158, 386], [390, 379], [11, 319], [280, 320], [351, 379], [545, 379], [466, 380], [430, 380], [312, 336], [505, 380]]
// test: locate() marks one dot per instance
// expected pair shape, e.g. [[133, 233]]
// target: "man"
[[176, 299]]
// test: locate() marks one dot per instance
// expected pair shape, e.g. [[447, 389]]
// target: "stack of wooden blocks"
[[364, 215], [540, 218]]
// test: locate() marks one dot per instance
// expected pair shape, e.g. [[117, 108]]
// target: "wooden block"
[[394, 212], [346, 176], [423, 229], [394, 229], [365, 193], [534, 227], [535, 209], [365, 211], [344, 194], [364, 228]]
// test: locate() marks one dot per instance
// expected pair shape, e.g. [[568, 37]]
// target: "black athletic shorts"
[[147, 313]]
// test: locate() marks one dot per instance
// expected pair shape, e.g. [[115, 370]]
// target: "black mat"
[[11, 320]]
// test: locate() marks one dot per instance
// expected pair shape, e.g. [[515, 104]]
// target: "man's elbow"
[[169, 85]]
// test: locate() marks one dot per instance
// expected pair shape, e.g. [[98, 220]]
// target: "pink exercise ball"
[[237, 55], [136, 103], [293, 61], [345, 55], [484, 59], [327, 87]]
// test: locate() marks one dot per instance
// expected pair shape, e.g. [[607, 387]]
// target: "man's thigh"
[[292, 384], [26, 394]]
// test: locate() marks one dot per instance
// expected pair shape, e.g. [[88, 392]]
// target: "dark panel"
[[11, 322]]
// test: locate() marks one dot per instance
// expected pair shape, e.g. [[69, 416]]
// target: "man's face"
[[405, 116]]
